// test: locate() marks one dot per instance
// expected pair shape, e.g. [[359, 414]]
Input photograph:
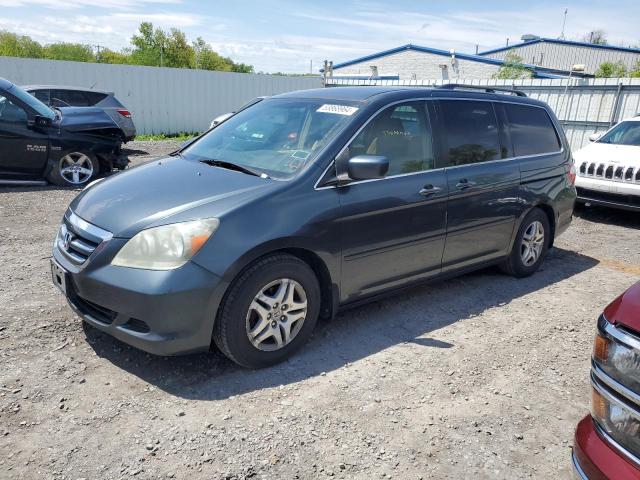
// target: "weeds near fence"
[[182, 136]]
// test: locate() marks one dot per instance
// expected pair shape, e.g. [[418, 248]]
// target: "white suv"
[[609, 168]]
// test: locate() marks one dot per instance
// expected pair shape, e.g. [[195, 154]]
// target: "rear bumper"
[[595, 459]]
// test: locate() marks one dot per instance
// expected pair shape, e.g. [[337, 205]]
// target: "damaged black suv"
[[66, 146]]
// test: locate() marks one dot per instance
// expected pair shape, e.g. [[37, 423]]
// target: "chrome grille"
[[78, 239], [609, 171]]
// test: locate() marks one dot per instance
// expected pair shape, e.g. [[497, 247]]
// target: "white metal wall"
[[582, 106], [409, 64], [562, 56], [162, 100]]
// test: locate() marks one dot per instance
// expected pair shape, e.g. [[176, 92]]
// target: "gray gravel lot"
[[483, 376]]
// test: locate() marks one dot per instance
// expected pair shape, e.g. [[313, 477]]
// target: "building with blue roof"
[[563, 54], [415, 62]]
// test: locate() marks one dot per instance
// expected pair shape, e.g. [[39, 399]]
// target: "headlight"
[[618, 360], [166, 247], [618, 419], [616, 385]]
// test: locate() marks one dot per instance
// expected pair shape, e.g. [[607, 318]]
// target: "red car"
[[607, 443]]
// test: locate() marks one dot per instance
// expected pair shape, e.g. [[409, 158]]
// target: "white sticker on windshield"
[[338, 109]]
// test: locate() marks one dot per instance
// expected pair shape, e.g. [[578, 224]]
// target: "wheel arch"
[[551, 216], [326, 275]]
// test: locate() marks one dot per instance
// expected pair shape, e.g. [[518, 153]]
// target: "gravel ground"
[[483, 376]]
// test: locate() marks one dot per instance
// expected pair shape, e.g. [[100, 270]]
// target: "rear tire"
[[269, 311], [530, 246], [75, 169]]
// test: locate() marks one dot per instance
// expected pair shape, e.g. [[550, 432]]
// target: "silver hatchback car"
[[57, 96]]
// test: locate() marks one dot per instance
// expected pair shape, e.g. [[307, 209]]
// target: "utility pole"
[[98, 47], [564, 22]]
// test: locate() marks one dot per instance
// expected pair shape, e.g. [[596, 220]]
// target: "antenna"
[[564, 22]]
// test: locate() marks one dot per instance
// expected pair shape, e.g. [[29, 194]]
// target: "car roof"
[[358, 94], [63, 87], [631, 119], [5, 84], [368, 93]]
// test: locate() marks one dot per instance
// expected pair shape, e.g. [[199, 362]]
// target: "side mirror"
[[40, 121], [367, 167], [594, 137]]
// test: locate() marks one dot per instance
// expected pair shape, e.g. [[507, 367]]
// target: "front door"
[[23, 150], [484, 183], [393, 229]]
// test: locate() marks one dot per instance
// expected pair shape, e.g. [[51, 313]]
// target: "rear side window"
[[94, 98], [42, 95], [532, 132], [470, 132], [70, 97], [77, 98]]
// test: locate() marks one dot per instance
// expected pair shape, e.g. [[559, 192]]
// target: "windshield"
[[33, 102], [625, 133], [277, 137]]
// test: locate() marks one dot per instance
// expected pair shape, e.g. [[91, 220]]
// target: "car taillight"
[[124, 113], [571, 173]]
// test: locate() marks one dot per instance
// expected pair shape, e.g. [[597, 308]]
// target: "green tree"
[[107, 55], [635, 71], [177, 51], [206, 59], [69, 51], [12, 45], [149, 46], [597, 37], [611, 70], [241, 67], [513, 68]]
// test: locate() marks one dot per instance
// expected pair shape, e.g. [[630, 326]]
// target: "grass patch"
[[178, 137]]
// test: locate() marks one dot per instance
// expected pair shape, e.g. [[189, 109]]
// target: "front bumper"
[[595, 459], [608, 193], [160, 312]]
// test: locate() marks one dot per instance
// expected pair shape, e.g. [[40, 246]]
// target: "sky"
[[287, 35]]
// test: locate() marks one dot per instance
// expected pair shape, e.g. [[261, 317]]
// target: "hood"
[[627, 155], [625, 309], [79, 119], [164, 191]]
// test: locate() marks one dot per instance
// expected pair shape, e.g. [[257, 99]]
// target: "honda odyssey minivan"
[[308, 202]]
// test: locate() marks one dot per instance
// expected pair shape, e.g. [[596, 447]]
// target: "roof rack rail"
[[461, 86]]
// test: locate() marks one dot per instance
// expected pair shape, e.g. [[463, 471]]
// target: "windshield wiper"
[[235, 166]]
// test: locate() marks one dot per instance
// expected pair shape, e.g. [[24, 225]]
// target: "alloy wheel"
[[532, 243], [76, 168], [276, 314]]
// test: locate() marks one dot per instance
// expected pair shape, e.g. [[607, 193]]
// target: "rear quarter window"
[[470, 132], [93, 98], [532, 131]]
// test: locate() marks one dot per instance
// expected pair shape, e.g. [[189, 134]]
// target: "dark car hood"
[[81, 119], [163, 191]]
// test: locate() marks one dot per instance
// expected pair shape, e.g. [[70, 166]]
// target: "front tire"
[[75, 169], [530, 246], [269, 311]]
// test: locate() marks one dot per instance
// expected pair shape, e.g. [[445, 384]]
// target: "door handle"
[[429, 190], [464, 184]]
